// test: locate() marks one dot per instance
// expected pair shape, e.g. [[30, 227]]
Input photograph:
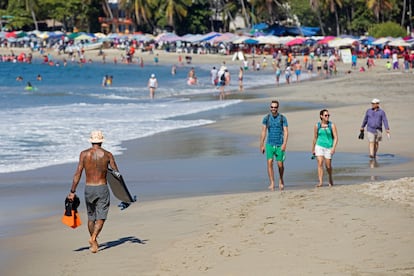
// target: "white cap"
[[375, 101], [152, 75]]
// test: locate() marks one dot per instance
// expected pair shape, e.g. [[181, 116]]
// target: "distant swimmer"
[[19, 78], [107, 81], [39, 77], [192, 79], [29, 86], [152, 85]]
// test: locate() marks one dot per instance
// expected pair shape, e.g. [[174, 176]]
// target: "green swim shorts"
[[275, 152]]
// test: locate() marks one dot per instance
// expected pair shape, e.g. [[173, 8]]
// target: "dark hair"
[[276, 102], [321, 112]]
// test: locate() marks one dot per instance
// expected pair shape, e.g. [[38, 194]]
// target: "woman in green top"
[[325, 139]]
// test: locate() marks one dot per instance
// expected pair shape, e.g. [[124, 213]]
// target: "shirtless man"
[[95, 161]]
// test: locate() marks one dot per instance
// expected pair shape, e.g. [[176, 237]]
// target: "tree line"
[[334, 17]]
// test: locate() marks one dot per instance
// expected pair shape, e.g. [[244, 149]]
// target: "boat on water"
[[85, 46], [91, 46]]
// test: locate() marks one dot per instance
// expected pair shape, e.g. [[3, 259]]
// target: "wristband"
[[72, 191]]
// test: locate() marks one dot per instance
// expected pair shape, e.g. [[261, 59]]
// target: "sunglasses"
[[274, 107], [326, 115]]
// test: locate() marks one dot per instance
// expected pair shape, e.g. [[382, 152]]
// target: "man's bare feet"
[[330, 184], [319, 185], [281, 186], [94, 246], [271, 187]]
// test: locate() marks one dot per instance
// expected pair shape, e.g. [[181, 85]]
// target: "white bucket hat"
[[96, 137]]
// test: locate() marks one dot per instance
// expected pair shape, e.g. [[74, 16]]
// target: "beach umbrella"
[[341, 42], [167, 37], [260, 26], [295, 41], [265, 39], [141, 37], [251, 41], [399, 42], [43, 35], [366, 40], [285, 39], [309, 41], [20, 34], [209, 36], [100, 35], [226, 37], [11, 35], [257, 33], [240, 39], [325, 40], [191, 38], [83, 37], [382, 40]]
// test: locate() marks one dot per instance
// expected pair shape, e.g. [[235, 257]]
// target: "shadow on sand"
[[109, 244]]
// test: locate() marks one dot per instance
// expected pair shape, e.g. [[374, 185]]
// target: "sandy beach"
[[359, 229]]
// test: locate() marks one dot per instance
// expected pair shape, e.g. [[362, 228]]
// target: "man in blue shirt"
[[275, 127], [374, 119]]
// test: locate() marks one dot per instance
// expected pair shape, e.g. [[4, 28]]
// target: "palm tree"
[[175, 10], [403, 13], [327, 5], [30, 6], [315, 6], [333, 8], [108, 12], [379, 7], [143, 11], [244, 13]]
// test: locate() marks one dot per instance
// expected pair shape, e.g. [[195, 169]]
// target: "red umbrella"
[[295, 41], [11, 35], [326, 39]]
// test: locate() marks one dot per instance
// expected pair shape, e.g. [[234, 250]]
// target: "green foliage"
[[197, 21], [387, 29], [303, 11], [362, 18]]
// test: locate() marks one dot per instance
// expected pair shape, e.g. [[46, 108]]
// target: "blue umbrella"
[[251, 41]]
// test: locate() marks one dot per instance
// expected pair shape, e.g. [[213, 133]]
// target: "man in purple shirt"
[[373, 120]]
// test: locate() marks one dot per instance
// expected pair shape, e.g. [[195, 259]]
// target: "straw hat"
[[96, 137]]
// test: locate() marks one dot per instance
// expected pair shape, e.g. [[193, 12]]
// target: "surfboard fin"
[[123, 205]]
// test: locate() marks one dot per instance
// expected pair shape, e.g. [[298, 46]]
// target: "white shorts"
[[321, 151], [374, 137]]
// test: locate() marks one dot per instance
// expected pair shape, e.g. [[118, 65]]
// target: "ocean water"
[[50, 125]]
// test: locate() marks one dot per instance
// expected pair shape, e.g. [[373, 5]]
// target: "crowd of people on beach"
[[285, 62]]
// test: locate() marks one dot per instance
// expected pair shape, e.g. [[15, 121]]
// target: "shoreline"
[[254, 232]]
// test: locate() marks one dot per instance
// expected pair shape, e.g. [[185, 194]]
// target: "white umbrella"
[[399, 42], [83, 37], [381, 40], [240, 39], [341, 42]]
